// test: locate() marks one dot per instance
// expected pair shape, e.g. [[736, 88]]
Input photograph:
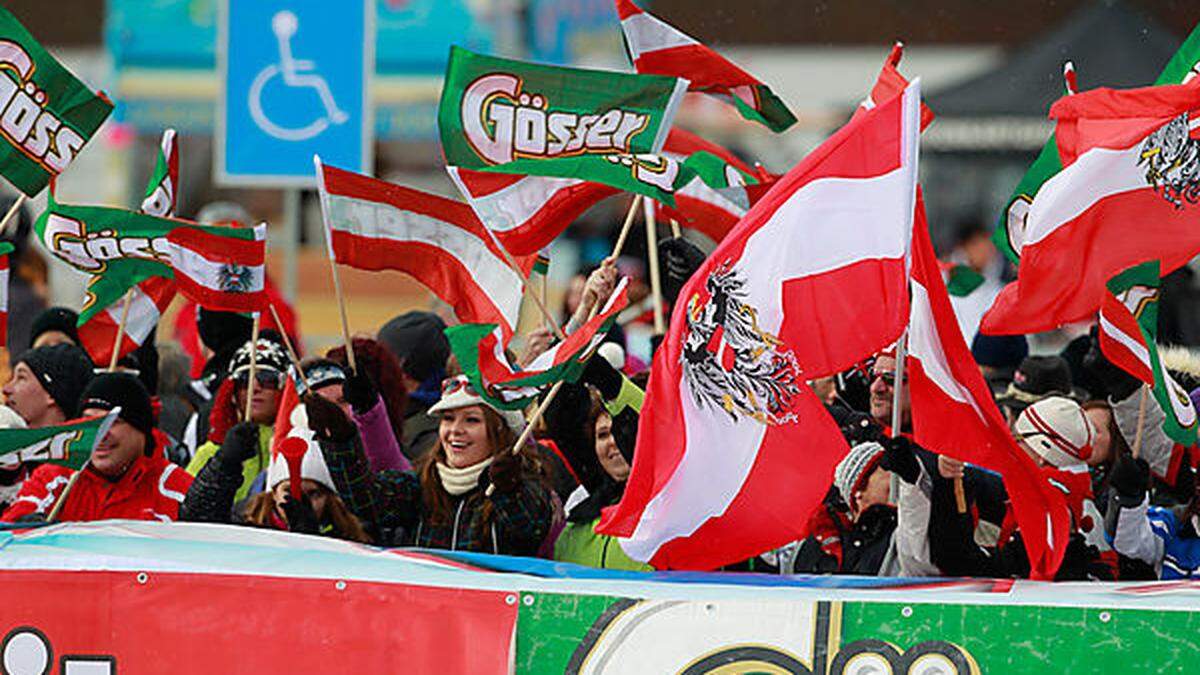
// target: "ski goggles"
[[266, 378]]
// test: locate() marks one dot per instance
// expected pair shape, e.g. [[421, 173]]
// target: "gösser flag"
[[47, 115], [657, 47], [375, 225], [1128, 333], [69, 444], [524, 118], [1127, 194], [953, 412], [733, 447]]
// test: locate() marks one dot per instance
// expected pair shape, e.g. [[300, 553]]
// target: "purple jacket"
[[382, 448]]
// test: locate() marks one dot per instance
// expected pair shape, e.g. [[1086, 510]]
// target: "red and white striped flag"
[[221, 268], [152, 296], [953, 412], [813, 280], [375, 225], [5, 249], [890, 84], [711, 211], [526, 213], [658, 48], [1126, 194]]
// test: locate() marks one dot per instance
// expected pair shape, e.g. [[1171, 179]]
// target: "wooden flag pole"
[[652, 263], [633, 207], [1141, 421], [537, 300], [116, 348], [253, 366], [62, 499], [337, 281], [287, 342], [12, 212], [675, 229], [546, 319]]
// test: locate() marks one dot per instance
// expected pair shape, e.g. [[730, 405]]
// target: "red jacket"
[[152, 489]]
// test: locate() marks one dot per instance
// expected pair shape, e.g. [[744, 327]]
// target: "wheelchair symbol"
[[296, 73]]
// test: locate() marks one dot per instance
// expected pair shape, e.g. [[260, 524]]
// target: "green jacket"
[[250, 468], [578, 543]]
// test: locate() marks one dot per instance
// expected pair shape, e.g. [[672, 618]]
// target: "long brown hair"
[[345, 525], [435, 497]]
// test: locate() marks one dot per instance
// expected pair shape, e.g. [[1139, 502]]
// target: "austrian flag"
[[658, 48], [734, 449], [221, 268], [375, 225]]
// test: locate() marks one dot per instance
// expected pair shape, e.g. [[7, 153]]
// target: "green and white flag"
[[524, 118], [1010, 231], [67, 444], [1127, 336], [48, 114]]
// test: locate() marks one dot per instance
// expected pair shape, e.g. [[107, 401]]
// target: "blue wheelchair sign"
[[295, 80]]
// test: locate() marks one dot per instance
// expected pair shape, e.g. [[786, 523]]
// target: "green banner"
[[1010, 231], [1138, 289], [69, 444], [577, 634], [47, 114], [525, 118]]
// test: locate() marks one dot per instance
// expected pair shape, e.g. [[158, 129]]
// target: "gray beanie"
[[855, 468], [418, 341]]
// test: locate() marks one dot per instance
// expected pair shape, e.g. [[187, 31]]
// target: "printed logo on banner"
[[27, 120], [1172, 160], [502, 122], [56, 448], [635, 636], [27, 651], [70, 240]]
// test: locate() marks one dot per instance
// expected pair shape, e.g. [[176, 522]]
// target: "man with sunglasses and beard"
[[246, 443]]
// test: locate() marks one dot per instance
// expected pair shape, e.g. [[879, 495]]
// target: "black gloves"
[[1119, 385], [361, 392], [240, 444], [505, 471], [680, 259], [600, 374], [300, 516], [898, 457], [327, 420], [1130, 478]]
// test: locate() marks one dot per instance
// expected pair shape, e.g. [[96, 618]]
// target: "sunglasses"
[[266, 379], [452, 385], [888, 377]]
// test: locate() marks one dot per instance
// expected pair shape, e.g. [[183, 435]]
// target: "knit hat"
[[458, 392], [313, 465], [1002, 352], [222, 331], [63, 370], [418, 340], [108, 391], [1057, 430], [270, 357], [1036, 378], [55, 318], [855, 468], [322, 373]]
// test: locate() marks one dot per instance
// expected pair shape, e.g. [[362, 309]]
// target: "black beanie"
[[223, 331], [64, 370], [55, 318], [418, 340], [110, 390]]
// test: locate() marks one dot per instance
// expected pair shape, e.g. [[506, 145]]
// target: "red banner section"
[[105, 622]]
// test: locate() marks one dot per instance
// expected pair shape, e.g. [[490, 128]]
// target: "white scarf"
[[461, 481]]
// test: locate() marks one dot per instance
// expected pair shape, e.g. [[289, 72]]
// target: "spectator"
[[124, 478], [229, 405], [469, 493], [47, 383], [418, 341], [53, 326], [376, 398]]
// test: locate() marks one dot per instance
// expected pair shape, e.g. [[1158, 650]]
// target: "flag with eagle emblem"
[[734, 448], [221, 268]]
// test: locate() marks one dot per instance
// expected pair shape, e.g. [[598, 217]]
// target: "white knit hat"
[[458, 392], [1057, 430], [312, 466], [855, 468]]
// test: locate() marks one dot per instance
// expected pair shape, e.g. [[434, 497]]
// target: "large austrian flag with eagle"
[[734, 449]]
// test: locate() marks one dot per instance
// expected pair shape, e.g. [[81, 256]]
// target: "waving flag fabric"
[[953, 412], [375, 225], [221, 268], [734, 449], [1127, 194], [656, 47]]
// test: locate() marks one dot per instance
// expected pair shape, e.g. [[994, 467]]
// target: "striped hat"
[[855, 468], [1057, 430]]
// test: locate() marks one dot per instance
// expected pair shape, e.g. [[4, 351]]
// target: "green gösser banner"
[[524, 118], [67, 444], [46, 115]]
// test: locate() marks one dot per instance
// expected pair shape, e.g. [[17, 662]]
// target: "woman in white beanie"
[[470, 492]]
